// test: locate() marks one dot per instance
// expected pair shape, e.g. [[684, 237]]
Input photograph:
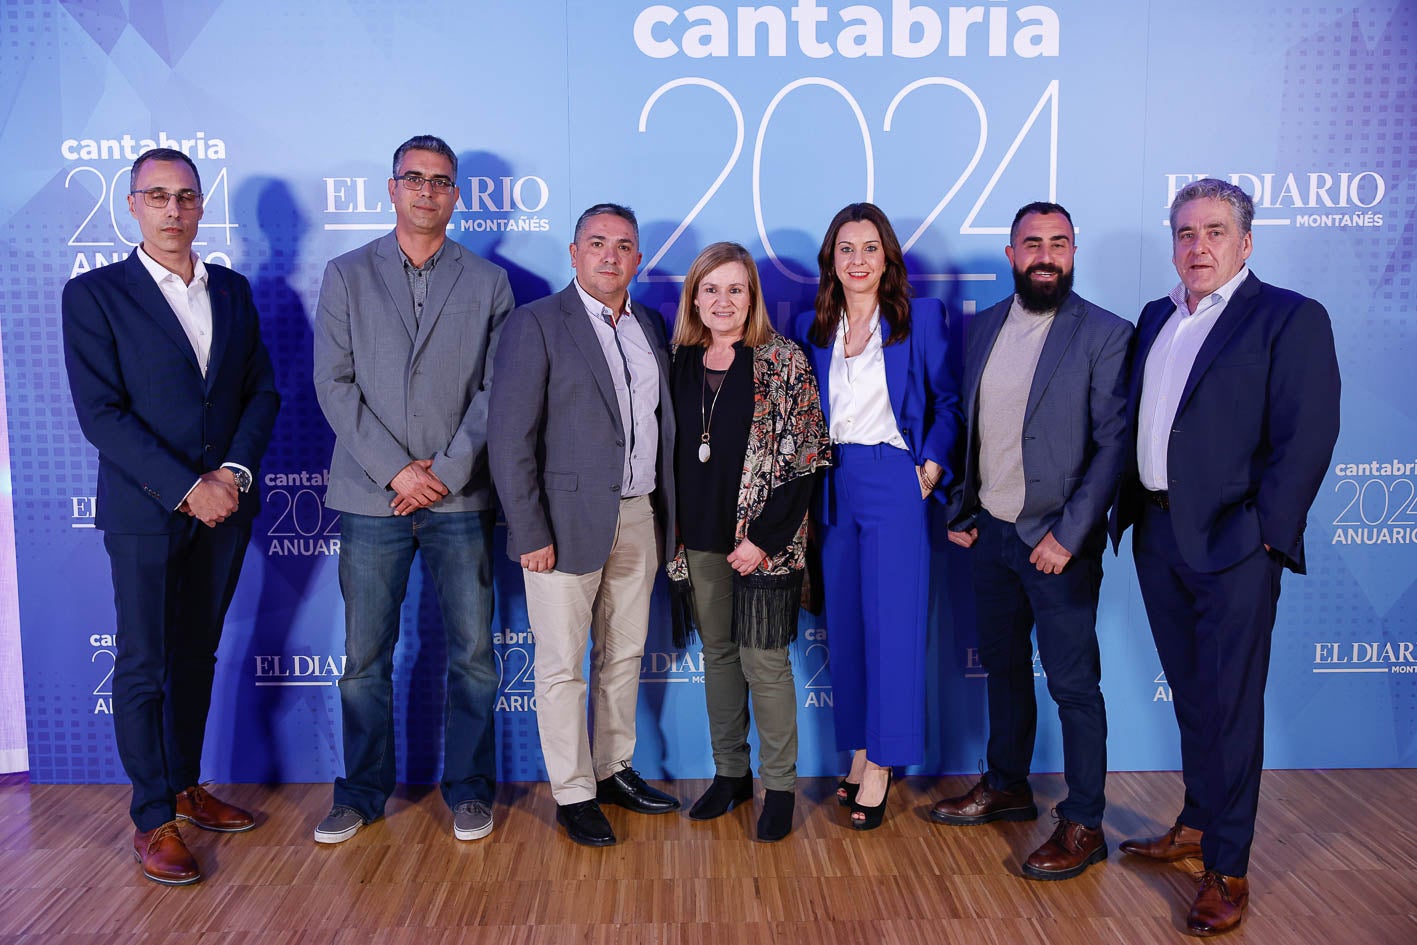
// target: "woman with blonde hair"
[[750, 439]]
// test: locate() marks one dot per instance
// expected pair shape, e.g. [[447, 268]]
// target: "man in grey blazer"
[[404, 340], [581, 443], [1044, 383]]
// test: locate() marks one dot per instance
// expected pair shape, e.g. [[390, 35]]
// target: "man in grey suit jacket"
[[404, 340], [581, 442], [1046, 410]]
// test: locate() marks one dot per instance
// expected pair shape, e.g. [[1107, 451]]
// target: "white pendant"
[[704, 452]]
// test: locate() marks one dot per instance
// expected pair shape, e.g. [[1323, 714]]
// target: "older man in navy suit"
[[172, 384], [1046, 409], [1234, 396]]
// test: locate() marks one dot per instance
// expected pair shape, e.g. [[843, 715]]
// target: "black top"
[[708, 492]]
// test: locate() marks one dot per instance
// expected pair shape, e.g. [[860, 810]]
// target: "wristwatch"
[[243, 478]]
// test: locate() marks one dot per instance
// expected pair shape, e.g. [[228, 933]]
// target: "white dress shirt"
[[192, 304], [1168, 367], [859, 399], [635, 371]]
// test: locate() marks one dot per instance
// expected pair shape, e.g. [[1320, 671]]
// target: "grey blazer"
[[1074, 426], [395, 388], [555, 439]]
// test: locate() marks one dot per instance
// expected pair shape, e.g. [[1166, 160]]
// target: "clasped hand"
[[214, 498], [416, 487], [746, 557]]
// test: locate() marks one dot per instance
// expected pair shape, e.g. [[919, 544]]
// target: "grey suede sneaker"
[[339, 825], [472, 820]]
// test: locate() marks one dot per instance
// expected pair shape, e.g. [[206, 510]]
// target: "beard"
[[1044, 298]]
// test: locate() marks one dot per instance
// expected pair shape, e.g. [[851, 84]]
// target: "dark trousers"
[[876, 569], [170, 593], [376, 556], [1012, 596], [1212, 633]]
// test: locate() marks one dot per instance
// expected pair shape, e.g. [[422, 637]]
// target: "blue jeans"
[[376, 555], [1012, 596]]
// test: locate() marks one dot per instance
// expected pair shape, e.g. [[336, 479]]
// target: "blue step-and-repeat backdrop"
[[750, 121]]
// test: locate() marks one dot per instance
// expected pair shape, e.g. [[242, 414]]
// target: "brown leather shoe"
[[1071, 849], [983, 804], [164, 857], [210, 813], [1220, 904], [1178, 843]]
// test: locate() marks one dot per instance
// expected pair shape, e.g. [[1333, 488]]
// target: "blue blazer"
[[1074, 426], [141, 398], [923, 393], [1254, 431]]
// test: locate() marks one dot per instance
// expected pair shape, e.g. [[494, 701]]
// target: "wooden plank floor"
[[1335, 861]]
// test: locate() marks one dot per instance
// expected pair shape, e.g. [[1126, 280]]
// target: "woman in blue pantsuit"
[[893, 414]]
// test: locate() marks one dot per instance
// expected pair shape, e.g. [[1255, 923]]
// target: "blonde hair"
[[689, 327]]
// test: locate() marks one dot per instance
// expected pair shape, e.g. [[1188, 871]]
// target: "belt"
[[1162, 500]]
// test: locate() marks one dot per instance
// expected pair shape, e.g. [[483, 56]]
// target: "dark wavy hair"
[[894, 292]]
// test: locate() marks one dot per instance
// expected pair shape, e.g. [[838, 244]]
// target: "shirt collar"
[[161, 273], [1220, 295], [428, 264], [598, 309]]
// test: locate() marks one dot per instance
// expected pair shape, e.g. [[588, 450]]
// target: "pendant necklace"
[[707, 420]]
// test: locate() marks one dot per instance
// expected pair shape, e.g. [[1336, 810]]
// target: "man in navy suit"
[[1045, 405], [173, 386], [1233, 394]]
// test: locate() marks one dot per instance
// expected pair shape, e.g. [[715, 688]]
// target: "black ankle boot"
[[775, 822], [721, 795]]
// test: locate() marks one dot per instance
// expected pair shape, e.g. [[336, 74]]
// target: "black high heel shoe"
[[846, 792], [721, 795], [873, 815]]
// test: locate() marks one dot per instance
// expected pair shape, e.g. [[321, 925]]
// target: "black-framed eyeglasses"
[[441, 185], [157, 198]]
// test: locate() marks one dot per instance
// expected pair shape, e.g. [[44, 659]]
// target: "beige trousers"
[[610, 608]]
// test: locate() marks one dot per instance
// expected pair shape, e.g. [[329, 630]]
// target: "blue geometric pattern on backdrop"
[[291, 111]]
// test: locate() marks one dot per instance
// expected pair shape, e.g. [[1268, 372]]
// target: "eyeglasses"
[[157, 198], [441, 185]]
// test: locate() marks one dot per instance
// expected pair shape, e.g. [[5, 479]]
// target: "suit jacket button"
[[208, 405], [209, 447], [619, 442], [614, 488]]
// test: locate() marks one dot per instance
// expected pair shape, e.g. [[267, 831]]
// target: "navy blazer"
[[1254, 431], [1074, 426], [142, 401], [922, 390], [555, 441]]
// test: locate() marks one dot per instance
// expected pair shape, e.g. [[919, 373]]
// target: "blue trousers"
[[376, 555], [876, 568], [1012, 596], [1212, 632], [170, 592]]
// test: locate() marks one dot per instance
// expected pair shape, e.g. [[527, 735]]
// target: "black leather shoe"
[[626, 788], [721, 796], [585, 823]]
